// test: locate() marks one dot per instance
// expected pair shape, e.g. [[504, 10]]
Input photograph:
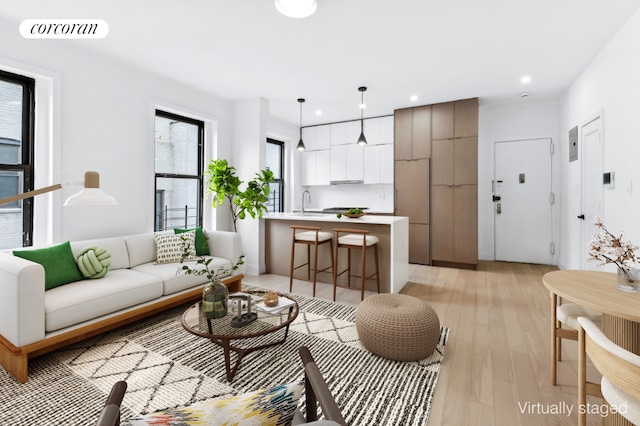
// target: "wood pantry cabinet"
[[436, 169], [454, 184], [412, 149]]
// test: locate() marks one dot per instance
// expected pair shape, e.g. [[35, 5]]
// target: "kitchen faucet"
[[302, 206]]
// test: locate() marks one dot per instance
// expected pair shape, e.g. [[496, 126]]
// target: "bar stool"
[[354, 239], [310, 236]]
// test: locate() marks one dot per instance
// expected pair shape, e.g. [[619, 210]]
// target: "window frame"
[[200, 173], [27, 160], [279, 181]]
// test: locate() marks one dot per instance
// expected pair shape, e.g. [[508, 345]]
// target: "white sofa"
[[34, 321]]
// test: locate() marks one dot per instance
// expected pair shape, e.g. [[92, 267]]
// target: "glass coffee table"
[[247, 338]]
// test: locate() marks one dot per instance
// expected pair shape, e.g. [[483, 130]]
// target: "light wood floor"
[[496, 366]]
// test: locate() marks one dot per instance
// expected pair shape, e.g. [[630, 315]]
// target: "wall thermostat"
[[609, 180]]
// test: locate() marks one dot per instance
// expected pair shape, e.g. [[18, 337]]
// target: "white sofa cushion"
[[116, 246], [174, 279], [88, 299], [142, 248]]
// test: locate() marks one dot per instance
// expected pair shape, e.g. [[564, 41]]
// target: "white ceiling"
[[438, 50]]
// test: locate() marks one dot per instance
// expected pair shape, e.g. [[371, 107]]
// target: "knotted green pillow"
[[94, 262]]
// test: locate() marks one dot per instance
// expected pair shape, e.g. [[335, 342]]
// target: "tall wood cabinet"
[[412, 150], [436, 169]]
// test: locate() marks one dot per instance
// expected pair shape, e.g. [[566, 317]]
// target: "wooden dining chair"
[[620, 371], [565, 314]]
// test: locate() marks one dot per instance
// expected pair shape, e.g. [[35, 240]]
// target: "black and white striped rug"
[[165, 366]]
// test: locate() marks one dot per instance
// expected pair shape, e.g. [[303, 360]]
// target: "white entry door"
[[592, 187], [522, 201]]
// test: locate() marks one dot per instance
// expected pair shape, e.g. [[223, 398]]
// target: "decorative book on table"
[[283, 303]]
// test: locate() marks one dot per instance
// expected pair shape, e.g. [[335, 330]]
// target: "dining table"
[[599, 291]]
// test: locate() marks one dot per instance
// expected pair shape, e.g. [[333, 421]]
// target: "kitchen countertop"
[[312, 216]]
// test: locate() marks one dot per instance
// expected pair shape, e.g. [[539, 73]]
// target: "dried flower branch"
[[605, 247]]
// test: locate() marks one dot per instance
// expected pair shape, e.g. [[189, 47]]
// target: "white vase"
[[629, 282]]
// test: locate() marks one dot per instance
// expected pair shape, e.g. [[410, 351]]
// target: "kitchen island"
[[393, 248]]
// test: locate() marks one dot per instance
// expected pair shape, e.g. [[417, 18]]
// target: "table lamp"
[[91, 195]]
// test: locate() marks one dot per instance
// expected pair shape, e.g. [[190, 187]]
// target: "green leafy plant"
[[224, 184], [206, 270]]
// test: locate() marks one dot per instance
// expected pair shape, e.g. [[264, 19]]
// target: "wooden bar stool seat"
[[355, 239], [309, 236]]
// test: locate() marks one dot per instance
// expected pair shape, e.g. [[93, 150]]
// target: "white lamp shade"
[[91, 197], [296, 8]]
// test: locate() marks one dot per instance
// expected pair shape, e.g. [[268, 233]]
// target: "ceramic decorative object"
[[215, 300], [271, 299]]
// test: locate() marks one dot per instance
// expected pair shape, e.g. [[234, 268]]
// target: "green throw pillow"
[[202, 249], [58, 262], [266, 407], [94, 262]]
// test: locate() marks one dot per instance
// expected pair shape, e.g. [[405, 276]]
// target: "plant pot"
[[629, 282], [215, 300]]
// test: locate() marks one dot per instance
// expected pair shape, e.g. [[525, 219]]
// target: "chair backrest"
[[317, 391], [110, 414], [616, 364]]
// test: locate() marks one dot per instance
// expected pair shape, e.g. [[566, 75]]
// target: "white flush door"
[[522, 201], [591, 188]]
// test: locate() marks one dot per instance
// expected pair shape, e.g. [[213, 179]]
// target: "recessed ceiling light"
[[296, 8], [363, 106], [318, 112], [413, 98], [526, 79]]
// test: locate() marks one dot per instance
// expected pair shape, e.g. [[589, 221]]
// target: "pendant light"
[[296, 8], [362, 140], [300, 146]]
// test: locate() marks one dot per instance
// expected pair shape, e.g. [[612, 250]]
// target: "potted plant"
[[224, 184], [215, 295], [605, 247]]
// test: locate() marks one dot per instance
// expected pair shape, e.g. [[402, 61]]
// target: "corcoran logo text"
[[64, 28]]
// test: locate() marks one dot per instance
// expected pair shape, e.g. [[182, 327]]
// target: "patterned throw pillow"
[[170, 246], [274, 406]]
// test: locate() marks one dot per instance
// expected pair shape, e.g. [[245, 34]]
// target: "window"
[[17, 107], [179, 145], [275, 163]]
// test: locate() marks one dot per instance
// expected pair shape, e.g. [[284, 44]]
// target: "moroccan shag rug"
[[165, 367]]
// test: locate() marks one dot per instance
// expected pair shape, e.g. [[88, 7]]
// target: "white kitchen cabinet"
[[338, 134], [338, 163], [309, 136], [323, 137], [315, 167], [386, 164], [323, 167], [378, 164], [347, 163], [386, 130], [353, 132], [372, 131], [355, 162]]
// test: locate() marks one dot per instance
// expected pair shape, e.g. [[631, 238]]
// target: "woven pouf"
[[397, 327]]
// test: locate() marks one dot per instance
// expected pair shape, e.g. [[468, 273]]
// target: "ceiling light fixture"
[[362, 140], [526, 79], [296, 8], [300, 146], [413, 98]]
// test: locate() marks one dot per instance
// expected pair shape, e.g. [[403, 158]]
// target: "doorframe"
[[585, 237], [552, 206]]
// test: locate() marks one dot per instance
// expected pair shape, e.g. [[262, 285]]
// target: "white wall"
[[524, 119], [610, 83], [103, 121]]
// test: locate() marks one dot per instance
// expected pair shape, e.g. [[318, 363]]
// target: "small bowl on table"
[[353, 215]]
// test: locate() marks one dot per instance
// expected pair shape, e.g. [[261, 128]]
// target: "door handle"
[[581, 216]]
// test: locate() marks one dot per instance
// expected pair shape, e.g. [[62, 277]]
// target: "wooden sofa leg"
[[15, 364]]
